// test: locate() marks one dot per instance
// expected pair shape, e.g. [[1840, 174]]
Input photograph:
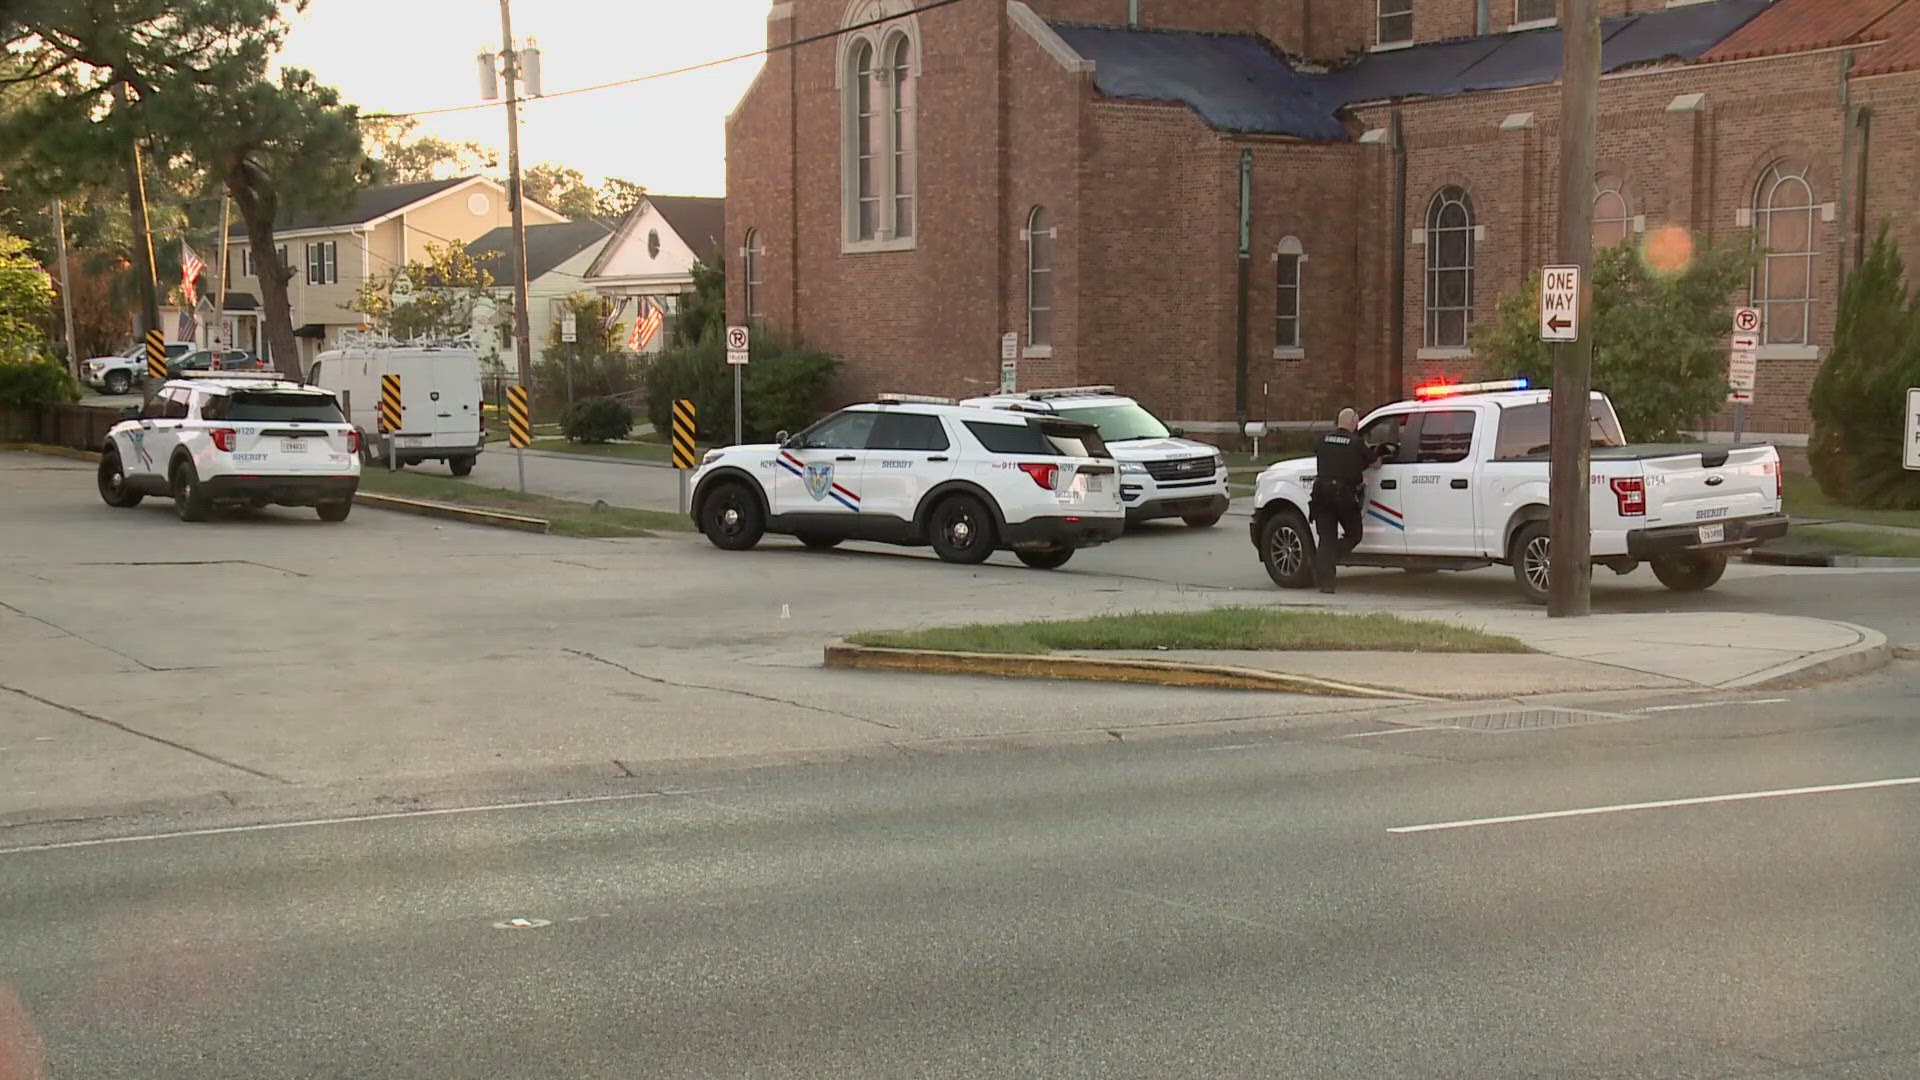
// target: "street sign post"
[[1010, 345], [569, 333], [1743, 368], [1009, 361], [519, 429], [1911, 458], [1560, 303], [737, 356]]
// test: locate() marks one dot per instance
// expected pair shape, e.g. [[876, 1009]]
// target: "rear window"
[[1527, 430], [275, 406], [1046, 438]]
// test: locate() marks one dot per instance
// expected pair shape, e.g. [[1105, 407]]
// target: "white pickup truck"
[[1462, 484]]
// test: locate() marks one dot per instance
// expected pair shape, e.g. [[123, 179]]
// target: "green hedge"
[[781, 389]]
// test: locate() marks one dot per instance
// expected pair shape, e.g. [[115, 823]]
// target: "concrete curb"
[[54, 451], [842, 654], [1870, 653], [598, 458], [496, 518], [1828, 559]]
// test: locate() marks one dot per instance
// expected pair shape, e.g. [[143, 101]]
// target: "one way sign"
[[1560, 303]]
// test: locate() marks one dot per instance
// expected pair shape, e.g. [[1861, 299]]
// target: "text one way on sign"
[[1560, 303]]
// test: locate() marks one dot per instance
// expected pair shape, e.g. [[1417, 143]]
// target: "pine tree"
[[1860, 391]]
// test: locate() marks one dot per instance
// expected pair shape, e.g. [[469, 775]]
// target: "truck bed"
[[1712, 455]]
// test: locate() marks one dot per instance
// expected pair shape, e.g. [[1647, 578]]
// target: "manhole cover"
[[1517, 719]]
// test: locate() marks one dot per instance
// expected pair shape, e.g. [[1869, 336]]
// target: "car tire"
[[1286, 549], [118, 382], [190, 500], [731, 517], [334, 510], [113, 482], [1530, 553], [1202, 521], [1689, 571], [960, 530], [462, 466], [1048, 559], [818, 541]]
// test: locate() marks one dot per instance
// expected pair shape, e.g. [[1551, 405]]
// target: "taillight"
[[353, 440], [1043, 474], [222, 438], [1779, 482], [1631, 493]]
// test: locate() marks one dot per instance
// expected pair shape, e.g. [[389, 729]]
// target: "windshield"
[[1120, 423], [287, 406]]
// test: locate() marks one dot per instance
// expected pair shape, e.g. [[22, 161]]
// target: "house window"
[[1527, 11], [323, 262], [1450, 244], [246, 263], [1783, 217], [754, 252], [1286, 294], [881, 148], [1611, 220], [1040, 235], [1396, 22]]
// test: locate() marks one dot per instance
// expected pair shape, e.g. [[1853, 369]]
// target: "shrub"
[[36, 381], [1859, 394], [597, 420], [780, 390]]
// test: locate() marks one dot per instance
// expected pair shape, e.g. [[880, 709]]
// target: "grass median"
[[1805, 502], [1249, 628], [565, 517], [1873, 543]]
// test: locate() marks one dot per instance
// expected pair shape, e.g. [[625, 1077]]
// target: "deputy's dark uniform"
[[1339, 485]]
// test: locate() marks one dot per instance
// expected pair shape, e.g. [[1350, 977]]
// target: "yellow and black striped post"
[[519, 427], [683, 434], [156, 355], [390, 408]]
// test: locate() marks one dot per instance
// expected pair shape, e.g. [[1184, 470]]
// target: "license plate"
[[1713, 534], [1093, 483], [293, 446]]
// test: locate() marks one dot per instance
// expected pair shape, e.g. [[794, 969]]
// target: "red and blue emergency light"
[[1441, 390]]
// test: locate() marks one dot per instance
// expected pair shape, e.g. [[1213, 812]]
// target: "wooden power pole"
[[1569, 511], [510, 56]]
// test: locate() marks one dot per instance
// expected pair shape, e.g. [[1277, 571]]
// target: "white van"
[[440, 417]]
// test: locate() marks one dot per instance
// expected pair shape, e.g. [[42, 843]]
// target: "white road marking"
[[309, 823], [1703, 800], [1224, 749], [1711, 705], [1400, 731]]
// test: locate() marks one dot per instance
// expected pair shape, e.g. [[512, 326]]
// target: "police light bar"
[[911, 399], [1440, 390], [1068, 391], [237, 373]]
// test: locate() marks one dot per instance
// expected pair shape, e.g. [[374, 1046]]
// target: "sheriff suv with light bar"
[[1162, 473], [915, 470], [234, 438], [1462, 483]]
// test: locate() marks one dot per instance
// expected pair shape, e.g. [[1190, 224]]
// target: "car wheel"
[[462, 466], [731, 518], [818, 541], [1689, 571], [1286, 549], [119, 382], [113, 482], [189, 498], [336, 510], [1202, 521], [1530, 553], [1049, 559], [960, 530]]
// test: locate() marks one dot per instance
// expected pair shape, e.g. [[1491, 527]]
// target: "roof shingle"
[[367, 204], [699, 220], [1789, 26], [547, 247]]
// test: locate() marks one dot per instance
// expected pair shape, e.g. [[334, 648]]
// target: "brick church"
[[1267, 209]]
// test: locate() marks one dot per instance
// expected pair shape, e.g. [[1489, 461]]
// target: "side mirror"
[[130, 412], [1177, 432], [781, 437]]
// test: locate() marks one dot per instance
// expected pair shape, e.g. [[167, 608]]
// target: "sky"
[[667, 134]]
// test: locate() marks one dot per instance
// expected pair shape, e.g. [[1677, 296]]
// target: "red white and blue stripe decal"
[[1380, 511], [819, 482]]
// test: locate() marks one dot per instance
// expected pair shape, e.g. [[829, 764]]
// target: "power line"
[[782, 47]]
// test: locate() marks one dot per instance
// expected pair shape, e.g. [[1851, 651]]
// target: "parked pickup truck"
[[1462, 483]]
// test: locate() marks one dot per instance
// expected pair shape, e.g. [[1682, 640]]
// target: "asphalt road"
[[1234, 909]]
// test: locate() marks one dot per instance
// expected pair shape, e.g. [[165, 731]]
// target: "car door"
[[1383, 526], [908, 453], [159, 431], [819, 473], [1439, 499]]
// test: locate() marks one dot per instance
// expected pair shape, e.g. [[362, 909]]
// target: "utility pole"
[[510, 56], [66, 290], [220, 283], [142, 228], [1569, 509]]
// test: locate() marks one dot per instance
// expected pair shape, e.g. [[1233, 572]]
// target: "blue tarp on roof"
[[1234, 81]]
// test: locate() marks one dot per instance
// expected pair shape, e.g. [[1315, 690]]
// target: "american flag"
[[646, 326], [191, 264], [186, 327], [614, 311]]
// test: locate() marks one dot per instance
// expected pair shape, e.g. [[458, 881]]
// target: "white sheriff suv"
[[235, 438], [916, 470], [1462, 483], [1162, 474]]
